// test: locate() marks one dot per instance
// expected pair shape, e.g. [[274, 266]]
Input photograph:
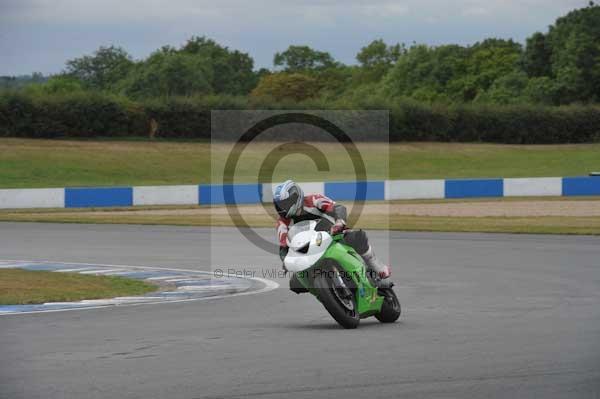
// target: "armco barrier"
[[208, 194]]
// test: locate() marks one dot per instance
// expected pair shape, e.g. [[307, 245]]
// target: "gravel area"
[[500, 208]]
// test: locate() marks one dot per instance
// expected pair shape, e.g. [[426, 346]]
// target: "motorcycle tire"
[[348, 319], [390, 310]]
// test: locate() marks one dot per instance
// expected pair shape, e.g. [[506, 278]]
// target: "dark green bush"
[[78, 114], [85, 114]]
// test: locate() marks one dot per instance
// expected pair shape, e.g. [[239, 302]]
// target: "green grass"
[[20, 287], [59, 163]]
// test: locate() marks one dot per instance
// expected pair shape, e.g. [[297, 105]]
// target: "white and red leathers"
[[315, 206], [318, 206]]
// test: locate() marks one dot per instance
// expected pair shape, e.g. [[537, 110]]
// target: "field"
[[19, 287], [58, 163]]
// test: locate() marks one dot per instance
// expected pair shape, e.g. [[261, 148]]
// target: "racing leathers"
[[318, 206]]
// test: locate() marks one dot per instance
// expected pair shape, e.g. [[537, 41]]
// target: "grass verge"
[[59, 163], [373, 218], [22, 287]]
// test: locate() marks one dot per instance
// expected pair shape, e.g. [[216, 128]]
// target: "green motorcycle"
[[334, 273]]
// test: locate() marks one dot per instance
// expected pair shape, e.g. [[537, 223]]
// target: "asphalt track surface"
[[490, 316]]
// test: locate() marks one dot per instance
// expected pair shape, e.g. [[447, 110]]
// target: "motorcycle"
[[337, 276]]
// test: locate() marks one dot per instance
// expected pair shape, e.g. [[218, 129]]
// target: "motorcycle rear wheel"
[[343, 310]]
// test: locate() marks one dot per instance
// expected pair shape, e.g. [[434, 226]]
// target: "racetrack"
[[483, 316]]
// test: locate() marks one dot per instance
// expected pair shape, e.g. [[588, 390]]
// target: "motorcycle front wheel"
[[337, 299]]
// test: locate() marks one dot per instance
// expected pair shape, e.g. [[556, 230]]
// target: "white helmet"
[[288, 199]]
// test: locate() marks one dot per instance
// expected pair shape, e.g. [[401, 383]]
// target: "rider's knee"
[[358, 240]]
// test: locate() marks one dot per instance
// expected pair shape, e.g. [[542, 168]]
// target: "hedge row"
[[74, 115], [93, 114]]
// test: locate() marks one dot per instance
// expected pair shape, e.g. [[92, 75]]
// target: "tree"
[[507, 89], [536, 57], [542, 90], [376, 59], [569, 55], [430, 72], [334, 81], [378, 53], [303, 59], [168, 72], [451, 72], [232, 70], [61, 84], [492, 59], [287, 86], [103, 69], [38, 77], [575, 45], [7, 82], [18, 82]]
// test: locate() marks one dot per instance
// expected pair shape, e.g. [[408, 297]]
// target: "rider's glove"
[[338, 227]]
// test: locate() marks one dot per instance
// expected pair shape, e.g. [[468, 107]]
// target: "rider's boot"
[[378, 271], [296, 286]]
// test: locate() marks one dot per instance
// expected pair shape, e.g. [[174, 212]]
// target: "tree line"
[[560, 66], [496, 90]]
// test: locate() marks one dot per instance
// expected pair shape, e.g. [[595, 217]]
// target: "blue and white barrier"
[[208, 194]]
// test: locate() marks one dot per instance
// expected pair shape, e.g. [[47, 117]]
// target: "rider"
[[293, 206]]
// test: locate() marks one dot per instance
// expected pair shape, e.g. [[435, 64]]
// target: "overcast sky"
[[39, 35]]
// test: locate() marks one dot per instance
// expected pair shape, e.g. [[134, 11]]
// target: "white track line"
[[72, 270], [202, 287], [124, 299], [111, 271], [269, 285], [101, 271], [122, 273], [162, 278]]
